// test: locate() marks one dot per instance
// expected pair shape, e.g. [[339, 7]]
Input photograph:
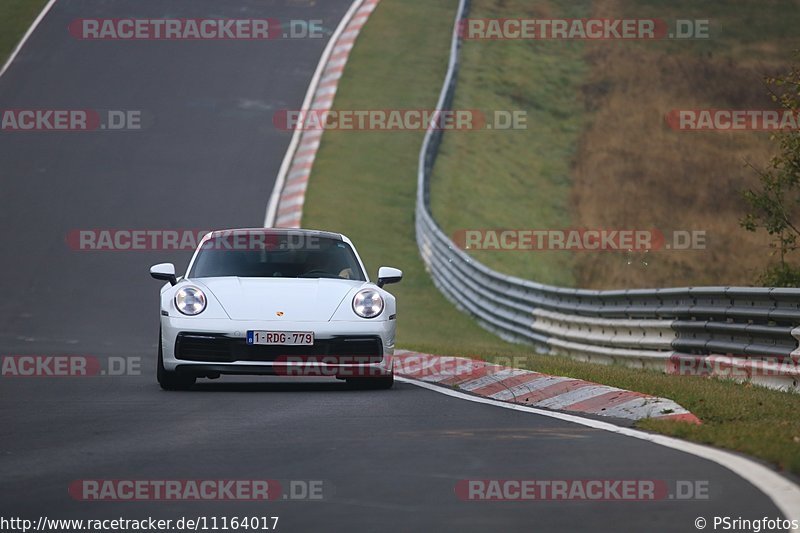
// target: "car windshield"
[[263, 255]]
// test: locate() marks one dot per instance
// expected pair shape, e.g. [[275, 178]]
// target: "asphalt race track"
[[386, 460]]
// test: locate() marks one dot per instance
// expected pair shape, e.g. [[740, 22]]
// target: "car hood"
[[299, 300]]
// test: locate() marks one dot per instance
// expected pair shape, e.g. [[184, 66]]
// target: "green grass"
[[528, 179], [364, 185], [525, 182], [16, 17], [746, 30]]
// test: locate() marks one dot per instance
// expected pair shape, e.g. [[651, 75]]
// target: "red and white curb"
[[535, 389], [286, 206]]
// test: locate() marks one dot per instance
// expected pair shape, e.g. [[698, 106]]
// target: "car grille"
[[217, 348]]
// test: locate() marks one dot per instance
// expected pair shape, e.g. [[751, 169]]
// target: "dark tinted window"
[[276, 256]]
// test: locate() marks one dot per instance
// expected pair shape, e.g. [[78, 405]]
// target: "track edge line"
[[783, 492], [17, 49]]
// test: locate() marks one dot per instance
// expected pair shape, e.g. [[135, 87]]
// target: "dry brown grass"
[[632, 171]]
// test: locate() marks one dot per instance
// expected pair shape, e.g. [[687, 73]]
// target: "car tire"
[[171, 380], [381, 383]]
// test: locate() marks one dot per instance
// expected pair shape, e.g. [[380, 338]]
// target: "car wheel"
[[383, 382], [171, 380]]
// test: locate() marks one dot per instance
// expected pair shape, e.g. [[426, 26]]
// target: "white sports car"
[[276, 302]]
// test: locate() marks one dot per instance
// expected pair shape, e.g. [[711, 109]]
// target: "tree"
[[774, 206]]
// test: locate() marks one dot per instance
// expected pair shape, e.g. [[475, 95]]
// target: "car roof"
[[276, 231]]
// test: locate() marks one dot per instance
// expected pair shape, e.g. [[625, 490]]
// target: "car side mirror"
[[388, 275], [164, 272]]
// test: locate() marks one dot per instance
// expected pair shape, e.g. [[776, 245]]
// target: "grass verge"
[[16, 17], [597, 153], [483, 179], [364, 185], [364, 182]]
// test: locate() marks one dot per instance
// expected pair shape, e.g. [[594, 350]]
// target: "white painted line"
[[783, 493], [272, 206], [27, 36]]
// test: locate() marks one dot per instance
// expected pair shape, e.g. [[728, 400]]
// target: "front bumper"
[[207, 347]]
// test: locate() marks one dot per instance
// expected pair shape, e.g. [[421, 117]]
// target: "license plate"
[[283, 338]]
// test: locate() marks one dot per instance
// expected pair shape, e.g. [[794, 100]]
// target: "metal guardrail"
[[741, 332]]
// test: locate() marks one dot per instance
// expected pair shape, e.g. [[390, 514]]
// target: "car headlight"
[[368, 303], [190, 301]]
